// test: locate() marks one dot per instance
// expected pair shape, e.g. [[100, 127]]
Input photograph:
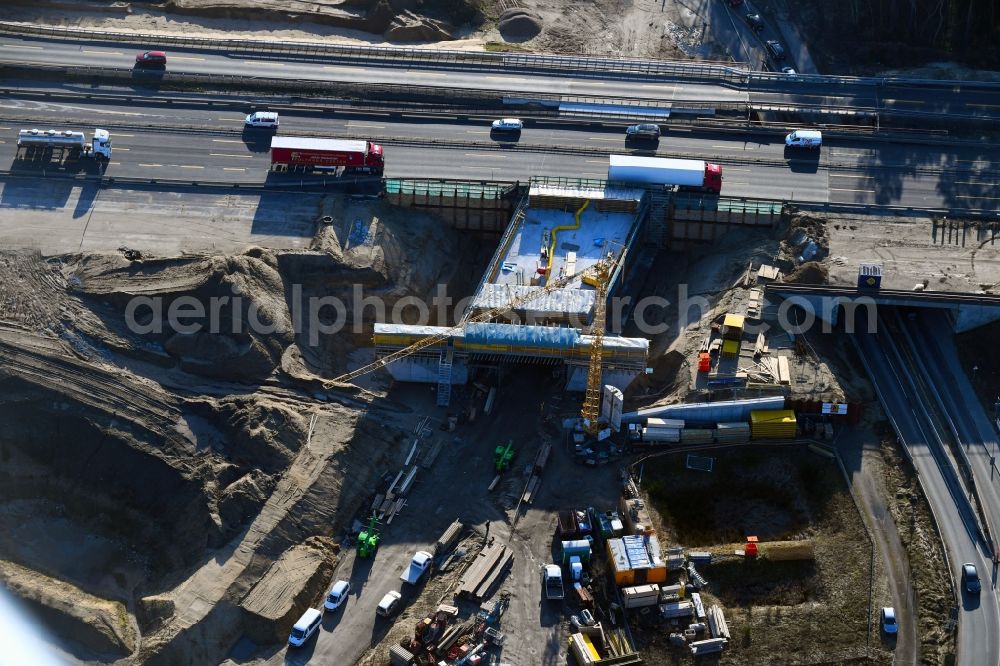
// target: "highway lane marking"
[[262, 62], [227, 140], [601, 138], [368, 126], [117, 53], [230, 155], [654, 85], [150, 165], [116, 133], [2, 141], [232, 120], [596, 161], [233, 169], [4, 128], [738, 169], [906, 101], [114, 163], [177, 57], [848, 175], [499, 157], [974, 196], [972, 182], [422, 73], [838, 154], [191, 166], [477, 131], [21, 46], [839, 189], [989, 106], [120, 148]]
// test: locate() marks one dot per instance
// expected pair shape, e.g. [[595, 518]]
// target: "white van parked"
[[262, 119], [804, 139], [305, 627]]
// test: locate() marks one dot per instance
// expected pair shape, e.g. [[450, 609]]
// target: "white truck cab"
[[804, 139]]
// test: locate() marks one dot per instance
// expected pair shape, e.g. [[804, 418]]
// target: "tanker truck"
[[688, 175], [308, 155], [66, 145]]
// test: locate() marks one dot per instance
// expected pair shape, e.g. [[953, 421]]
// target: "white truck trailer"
[[692, 175], [62, 145]]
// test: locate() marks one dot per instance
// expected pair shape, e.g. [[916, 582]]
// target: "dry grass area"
[[928, 571], [809, 611]]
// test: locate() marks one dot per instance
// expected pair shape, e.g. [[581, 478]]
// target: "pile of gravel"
[[519, 25]]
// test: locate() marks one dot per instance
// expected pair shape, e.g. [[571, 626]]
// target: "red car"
[[151, 58]]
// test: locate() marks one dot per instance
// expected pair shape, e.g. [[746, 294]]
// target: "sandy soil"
[[639, 28], [159, 478]]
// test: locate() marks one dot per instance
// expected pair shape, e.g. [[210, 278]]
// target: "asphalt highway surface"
[[978, 615], [209, 144], [969, 100]]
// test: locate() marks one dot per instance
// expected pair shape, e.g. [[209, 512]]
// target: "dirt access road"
[[456, 487]]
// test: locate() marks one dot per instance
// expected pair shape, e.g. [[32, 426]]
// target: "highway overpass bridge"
[[841, 305]]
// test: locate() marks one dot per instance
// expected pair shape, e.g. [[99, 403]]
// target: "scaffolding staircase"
[[657, 221], [444, 376]]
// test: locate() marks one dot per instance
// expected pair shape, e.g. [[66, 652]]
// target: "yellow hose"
[[555, 232]]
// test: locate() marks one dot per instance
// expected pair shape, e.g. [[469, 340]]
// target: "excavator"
[[368, 539]]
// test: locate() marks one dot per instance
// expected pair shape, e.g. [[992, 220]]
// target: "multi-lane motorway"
[[887, 96], [208, 144]]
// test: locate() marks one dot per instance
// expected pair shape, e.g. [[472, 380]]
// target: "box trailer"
[[690, 175], [306, 155]]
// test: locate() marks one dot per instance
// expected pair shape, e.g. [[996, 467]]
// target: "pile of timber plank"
[[483, 573]]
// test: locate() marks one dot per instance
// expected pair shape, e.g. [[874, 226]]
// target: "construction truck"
[[65, 145], [552, 582], [368, 539]]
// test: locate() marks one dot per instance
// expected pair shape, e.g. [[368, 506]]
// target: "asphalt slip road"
[[216, 150], [979, 615]]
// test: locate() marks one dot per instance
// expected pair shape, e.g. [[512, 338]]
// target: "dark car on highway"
[[755, 22], [643, 131], [970, 578], [151, 59], [775, 49]]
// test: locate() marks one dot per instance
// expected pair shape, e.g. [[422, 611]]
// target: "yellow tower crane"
[[598, 275]]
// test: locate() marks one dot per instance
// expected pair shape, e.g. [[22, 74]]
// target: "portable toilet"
[[575, 568]]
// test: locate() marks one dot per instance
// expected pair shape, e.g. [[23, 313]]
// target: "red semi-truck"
[[304, 155]]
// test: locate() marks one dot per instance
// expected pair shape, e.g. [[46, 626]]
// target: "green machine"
[[502, 456], [368, 539]]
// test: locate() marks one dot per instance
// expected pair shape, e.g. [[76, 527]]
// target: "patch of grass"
[[502, 47]]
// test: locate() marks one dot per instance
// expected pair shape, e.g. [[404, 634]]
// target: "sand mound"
[[409, 27], [811, 272], [518, 25]]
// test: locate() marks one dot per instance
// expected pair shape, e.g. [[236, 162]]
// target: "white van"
[[262, 119], [305, 627], [337, 595], [804, 139]]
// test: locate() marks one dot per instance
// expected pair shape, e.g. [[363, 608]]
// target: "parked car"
[[151, 59], [305, 627], [389, 604], [755, 22], [970, 578], [644, 131], [775, 49], [889, 620], [508, 125], [337, 595], [262, 119]]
